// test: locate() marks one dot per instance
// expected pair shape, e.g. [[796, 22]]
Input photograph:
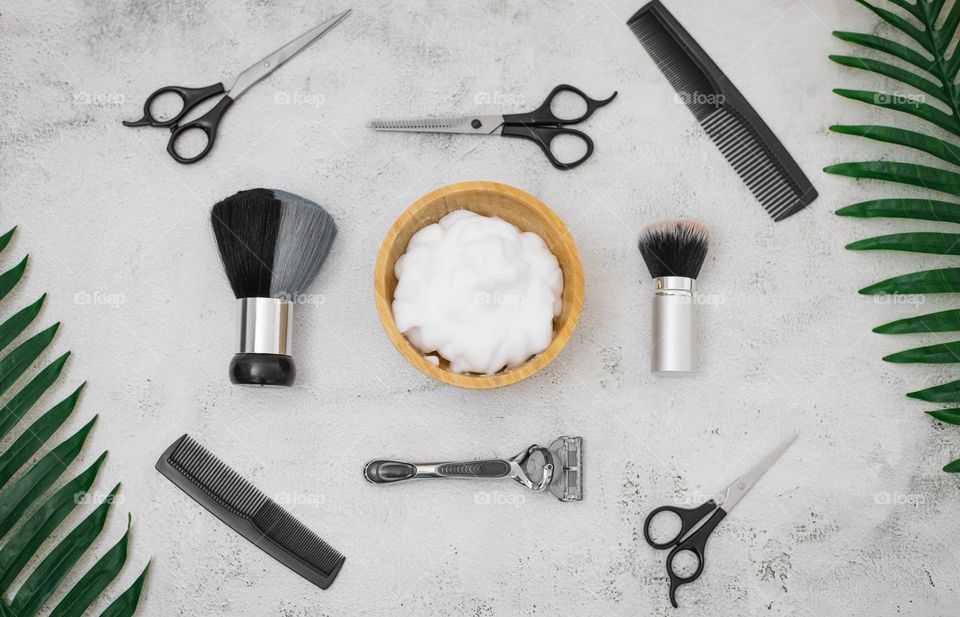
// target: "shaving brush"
[[272, 244], [674, 251]]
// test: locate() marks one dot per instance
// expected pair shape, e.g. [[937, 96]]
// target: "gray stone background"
[[857, 518]]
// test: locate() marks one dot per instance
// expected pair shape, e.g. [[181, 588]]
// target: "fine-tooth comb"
[[743, 137], [249, 512]]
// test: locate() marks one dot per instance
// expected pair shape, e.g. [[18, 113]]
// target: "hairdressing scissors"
[[696, 524], [231, 90], [540, 126]]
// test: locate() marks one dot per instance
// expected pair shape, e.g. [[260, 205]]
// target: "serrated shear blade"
[[475, 125]]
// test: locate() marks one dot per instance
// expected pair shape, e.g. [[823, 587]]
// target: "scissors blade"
[[741, 485], [475, 125], [269, 64]]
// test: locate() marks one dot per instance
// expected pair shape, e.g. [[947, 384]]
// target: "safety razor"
[[556, 468]]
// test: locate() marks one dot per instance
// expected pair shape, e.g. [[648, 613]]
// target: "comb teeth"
[[224, 484], [249, 512], [745, 140], [757, 166], [681, 71], [288, 532], [420, 124]]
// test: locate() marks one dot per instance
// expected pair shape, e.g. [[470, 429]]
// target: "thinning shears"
[[231, 91], [540, 126], [696, 524]]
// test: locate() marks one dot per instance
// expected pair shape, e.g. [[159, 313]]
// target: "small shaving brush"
[[272, 245], [674, 250]]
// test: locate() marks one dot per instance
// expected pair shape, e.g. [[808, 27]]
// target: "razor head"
[[567, 457]]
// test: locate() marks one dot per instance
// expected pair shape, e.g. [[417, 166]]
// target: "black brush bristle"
[[246, 226], [272, 243], [674, 248]]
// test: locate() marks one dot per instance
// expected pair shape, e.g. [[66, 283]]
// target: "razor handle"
[[385, 472]]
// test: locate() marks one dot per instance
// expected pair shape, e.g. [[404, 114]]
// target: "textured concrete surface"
[[856, 519]]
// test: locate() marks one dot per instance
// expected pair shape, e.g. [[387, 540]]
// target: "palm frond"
[[944, 321], [941, 353], [919, 209], [922, 176], [944, 393], [939, 148], [26, 521], [933, 243], [907, 105], [943, 280], [892, 48], [948, 416], [930, 73]]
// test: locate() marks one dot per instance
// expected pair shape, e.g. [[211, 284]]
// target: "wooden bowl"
[[489, 199]]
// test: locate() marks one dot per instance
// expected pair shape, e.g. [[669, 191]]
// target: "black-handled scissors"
[[696, 524], [231, 90], [540, 126]]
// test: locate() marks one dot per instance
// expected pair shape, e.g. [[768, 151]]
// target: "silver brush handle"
[[674, 330], [265, 325], [385, 471]]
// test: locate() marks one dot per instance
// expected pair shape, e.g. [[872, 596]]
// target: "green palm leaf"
[[902, 24], [916, 242], [5, 238], [894, 72], [126, 604], [930, 73], [944, 321], [15, 500], [35, 436], [26, 541], [887, 46], [944, 280], [12, 327], [921, 110], [918, 141], [21, 535], [944, 393], [40, 585], [17, 406], [10, 278], [921, 209], [950, 416], [14, 364], [95, 580], [941, 353], [903, 173]]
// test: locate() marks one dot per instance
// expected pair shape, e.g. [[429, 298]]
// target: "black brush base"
[[262, 369]]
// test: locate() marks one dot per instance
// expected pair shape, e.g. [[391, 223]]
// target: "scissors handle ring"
[[189, 97], [544, 115], [689, 518], [207, 123], [543, 136], [695, 543]]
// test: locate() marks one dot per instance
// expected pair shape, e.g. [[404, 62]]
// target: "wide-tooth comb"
[[743, 137], [249, 512]]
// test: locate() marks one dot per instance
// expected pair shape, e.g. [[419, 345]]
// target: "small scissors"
[[539, 126], [704, 520], [191, 97]]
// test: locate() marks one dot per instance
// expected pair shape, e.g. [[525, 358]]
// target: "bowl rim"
[[574, 280]]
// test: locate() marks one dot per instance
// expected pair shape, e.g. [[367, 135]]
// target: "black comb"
[[743, 137], [249, 512]]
